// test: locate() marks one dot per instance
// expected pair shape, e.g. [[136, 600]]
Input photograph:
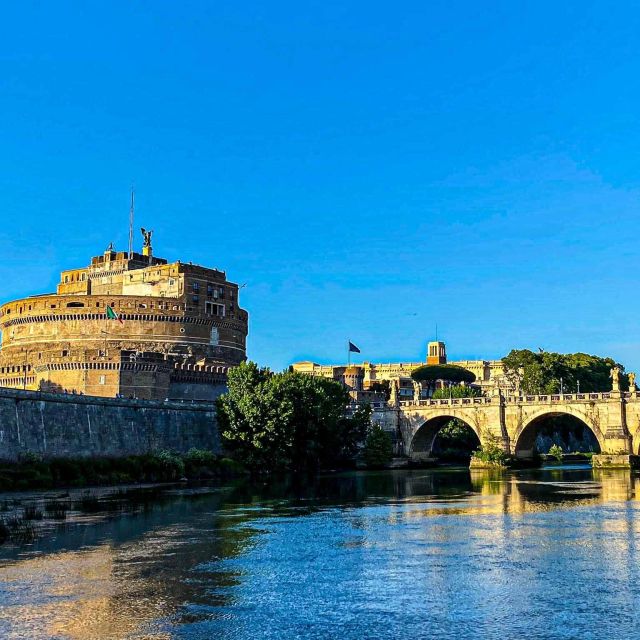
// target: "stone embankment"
[[57, 425]]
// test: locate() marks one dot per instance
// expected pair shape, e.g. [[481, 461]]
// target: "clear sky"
[[369, 169]]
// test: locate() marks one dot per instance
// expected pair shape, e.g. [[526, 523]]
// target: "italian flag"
[[112, 315]]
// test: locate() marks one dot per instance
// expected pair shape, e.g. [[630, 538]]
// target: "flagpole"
[[349, 351]]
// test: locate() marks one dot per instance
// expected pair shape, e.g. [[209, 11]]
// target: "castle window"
[[195, 286], [65, 353], [102, 379], [196, 298], [171, 282], [66, 279], [213, 309]]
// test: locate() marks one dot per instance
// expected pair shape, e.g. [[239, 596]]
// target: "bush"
[[556, 452], [378, 447], [200, 463], [171, 465], [491, 452]]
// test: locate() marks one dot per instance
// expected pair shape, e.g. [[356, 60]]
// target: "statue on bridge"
[[615, 378], [417, 389], [632, 382]]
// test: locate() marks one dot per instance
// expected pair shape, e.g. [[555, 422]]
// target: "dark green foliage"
[[455, 441], [541, 372], [429, 373], [378, 447], [288, 420], [162, 466], [556, 452], [491, 452], [457, 391]]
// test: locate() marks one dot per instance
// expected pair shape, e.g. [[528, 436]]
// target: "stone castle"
[[130, 325], [369, 382]]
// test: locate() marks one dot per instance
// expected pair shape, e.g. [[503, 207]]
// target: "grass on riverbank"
[[161, 466]]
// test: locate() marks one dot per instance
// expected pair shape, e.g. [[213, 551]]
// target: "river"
[[449, 553]]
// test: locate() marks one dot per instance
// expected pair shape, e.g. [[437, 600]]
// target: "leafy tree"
[[457, 391], [556, 452], [430, 373], [541, 372], [378, 447], [491, 451], [288, 420]]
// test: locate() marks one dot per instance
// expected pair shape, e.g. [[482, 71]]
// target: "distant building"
[[131, 325], [369, 382]]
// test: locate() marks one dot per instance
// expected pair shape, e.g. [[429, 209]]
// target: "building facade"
[[370, 382], [128, 324]]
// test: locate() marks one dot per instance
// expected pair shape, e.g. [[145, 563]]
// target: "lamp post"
[[578, 382], [561, 387]]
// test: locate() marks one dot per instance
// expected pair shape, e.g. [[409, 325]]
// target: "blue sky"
[[368, 169]]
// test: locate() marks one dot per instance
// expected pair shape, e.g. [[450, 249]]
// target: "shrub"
[[491, 452], [171, 466], [200, 463], [556, 452], [378, 447]]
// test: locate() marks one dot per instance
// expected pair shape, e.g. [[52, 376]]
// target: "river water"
[[551, 553]]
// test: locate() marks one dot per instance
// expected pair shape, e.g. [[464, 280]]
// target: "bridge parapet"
[[557, 397], [447, 402]]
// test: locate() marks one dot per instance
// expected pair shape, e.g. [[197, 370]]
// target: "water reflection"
[[449, 553]]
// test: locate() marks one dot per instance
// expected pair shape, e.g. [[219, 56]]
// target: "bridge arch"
[[525, 436], [421, 446]]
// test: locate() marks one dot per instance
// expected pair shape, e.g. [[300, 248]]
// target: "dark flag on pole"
[[353, 348]]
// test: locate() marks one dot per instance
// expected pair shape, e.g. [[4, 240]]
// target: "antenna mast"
[[131, 223]]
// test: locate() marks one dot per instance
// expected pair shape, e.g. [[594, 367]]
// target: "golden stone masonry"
[[175, 330]]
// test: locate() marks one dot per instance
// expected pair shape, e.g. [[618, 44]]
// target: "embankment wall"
[[58, 425]]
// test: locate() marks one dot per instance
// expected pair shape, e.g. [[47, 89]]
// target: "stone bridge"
[[613, 418]]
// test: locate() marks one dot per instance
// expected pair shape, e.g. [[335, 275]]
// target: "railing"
[[557, 397], [550, 398], [447, 402]]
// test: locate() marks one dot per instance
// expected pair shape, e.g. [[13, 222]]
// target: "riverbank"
[[33, 472]]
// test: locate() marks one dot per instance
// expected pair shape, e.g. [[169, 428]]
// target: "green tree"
[[543, 372], [288, 420], [457, 391], [378, 447], [491, 451], [430, 373], [556, 452]]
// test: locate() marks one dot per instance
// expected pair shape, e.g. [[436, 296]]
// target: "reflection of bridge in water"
[[613, 418]]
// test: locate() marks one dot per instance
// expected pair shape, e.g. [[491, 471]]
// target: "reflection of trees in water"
[[182, 547]]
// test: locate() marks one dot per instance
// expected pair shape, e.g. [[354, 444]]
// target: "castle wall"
[[172, 320], [55, 425]]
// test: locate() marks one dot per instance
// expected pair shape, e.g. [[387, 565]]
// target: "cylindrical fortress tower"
[[134, 326]]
